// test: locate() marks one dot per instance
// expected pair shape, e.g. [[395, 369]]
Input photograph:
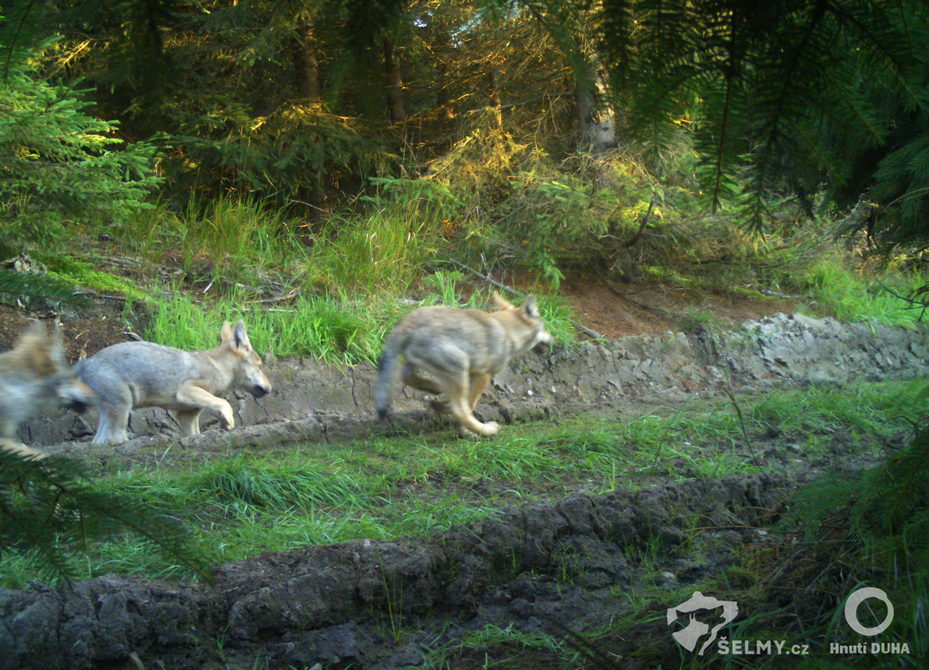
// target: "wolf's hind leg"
[[479, 384], [459, 391], [114, 424], [413, 377], [189, 421]]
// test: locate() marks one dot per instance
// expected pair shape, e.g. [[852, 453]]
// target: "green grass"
[[844, 531], [850, 295], [508, 645], [330, 329], [389, 245], [81, 274], [336, 331], [388, 488], [237, 234]]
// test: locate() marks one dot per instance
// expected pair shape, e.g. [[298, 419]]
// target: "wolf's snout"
[[544, 340], [79, 406], [260, 391], [76, 395]]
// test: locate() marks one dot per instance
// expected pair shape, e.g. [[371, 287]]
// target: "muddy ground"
[[558, 566]]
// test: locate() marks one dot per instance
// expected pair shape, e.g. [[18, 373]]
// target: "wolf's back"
[[152, 367]]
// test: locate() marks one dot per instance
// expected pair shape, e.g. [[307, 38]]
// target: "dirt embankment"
[[337, 603], [543, 567]]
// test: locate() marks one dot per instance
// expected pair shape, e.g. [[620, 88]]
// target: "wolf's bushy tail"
[[387, 372]]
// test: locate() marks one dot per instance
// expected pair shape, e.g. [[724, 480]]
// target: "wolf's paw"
[[228, 421], [490, 429]]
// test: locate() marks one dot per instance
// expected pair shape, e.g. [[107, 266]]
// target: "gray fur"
[[455, 352], [143, 374]]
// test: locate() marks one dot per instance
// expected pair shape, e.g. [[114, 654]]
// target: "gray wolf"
[[33, 374], [143, 374], [456, 352]]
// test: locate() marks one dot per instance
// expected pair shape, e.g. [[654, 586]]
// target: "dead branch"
[[503, 287]]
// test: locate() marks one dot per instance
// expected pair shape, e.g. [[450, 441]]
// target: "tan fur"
[[456, 352], [15, 447], [143, 374], [35, 373]]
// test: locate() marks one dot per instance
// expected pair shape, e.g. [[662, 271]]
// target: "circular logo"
[[851, 610]]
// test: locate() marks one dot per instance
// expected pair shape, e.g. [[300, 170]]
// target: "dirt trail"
[[314, 402], [343, 604]]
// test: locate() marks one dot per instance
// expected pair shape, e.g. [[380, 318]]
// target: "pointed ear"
[[531, 308], [36, 330], [225, 333], [57, 334], [240, 337], [500, 302]]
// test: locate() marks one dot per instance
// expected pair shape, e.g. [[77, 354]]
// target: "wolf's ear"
[[500, 301], [36, 330], [240, 337], [225, 333], [531, 308], [57, 334]]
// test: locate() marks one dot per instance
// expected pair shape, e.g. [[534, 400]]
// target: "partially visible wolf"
[[456, 352], [144, 374], [35, 373]]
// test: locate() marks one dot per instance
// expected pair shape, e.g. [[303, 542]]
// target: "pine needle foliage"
[[787, 93], [59, 163], [296, 152], [50, 508]]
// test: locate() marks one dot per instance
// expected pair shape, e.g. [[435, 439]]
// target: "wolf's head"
[[247, 373], [43, 354], [523, 324]]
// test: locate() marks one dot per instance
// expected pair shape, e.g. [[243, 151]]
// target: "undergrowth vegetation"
[[495, 203], [330, 289], [253, 174]]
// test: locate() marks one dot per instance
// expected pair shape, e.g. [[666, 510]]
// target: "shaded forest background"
[[547, 136]]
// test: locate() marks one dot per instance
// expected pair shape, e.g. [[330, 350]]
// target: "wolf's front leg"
[[189, 421], [188, 394]]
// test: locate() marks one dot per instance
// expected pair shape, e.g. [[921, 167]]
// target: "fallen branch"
[[522, 294], [488, 279], [642, 224], [917, 304]]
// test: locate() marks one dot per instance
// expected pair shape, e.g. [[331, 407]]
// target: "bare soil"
[[645, 305]]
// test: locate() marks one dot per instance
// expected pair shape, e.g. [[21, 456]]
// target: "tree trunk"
[[395, 106], [308, 66], [595, 115]]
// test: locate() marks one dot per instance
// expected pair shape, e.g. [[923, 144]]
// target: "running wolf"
[[144, 374], [32, 374], [456, 352]]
